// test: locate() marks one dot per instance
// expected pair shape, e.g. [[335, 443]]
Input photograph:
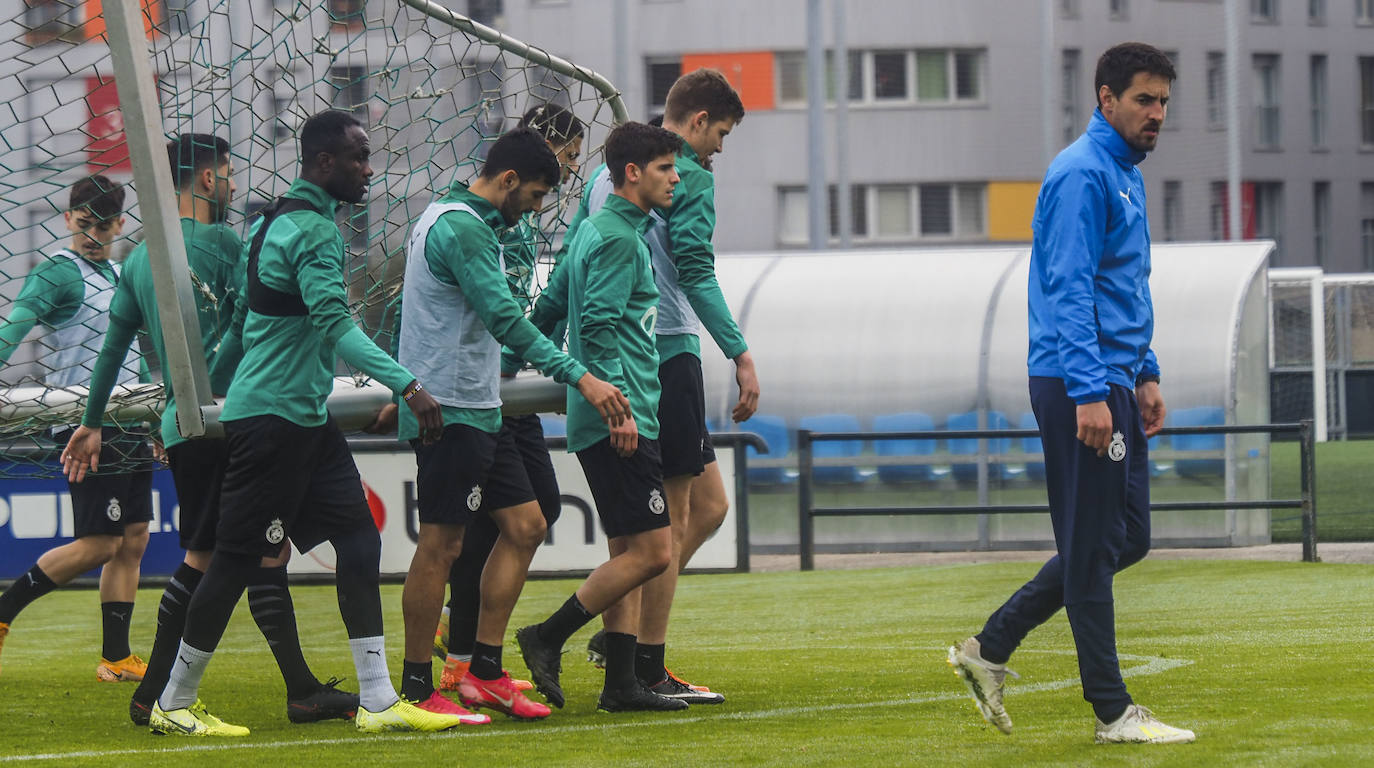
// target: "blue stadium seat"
[[1035, 470], [968, 472], [554, 426], [1199, 417], [773, 430], [834, 422], [913, 421]]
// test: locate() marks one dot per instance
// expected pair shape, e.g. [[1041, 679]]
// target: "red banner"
[[107, 150]]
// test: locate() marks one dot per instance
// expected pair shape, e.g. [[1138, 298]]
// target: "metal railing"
[[807, 511]]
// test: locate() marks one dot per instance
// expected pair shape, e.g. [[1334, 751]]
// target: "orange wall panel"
[[751, 72], [95, 17]]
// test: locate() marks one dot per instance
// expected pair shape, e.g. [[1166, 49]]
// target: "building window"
[[350, 94], [1264, 11], [1217, 213], [1364, 11], [1069, 94], [890, 77], [1267, 101], [887, 213], [1068, 9], [1367, 100], [486, 12], [1367, 226], [1118, 10], [1216, 89], [1316, 12], [1317, 89], [1321, 221], [1173, 210], [933, 76], [660, 74], [48, 20], [344, 15], [1268, 214]]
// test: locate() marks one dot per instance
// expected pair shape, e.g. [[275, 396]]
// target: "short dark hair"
[[556, 123], [524, 151], [98, 194], [325, 132], [191, 153], [639, 144], [1119, 65], [703, 89]]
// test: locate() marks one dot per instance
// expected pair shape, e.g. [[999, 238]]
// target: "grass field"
[[1266, 661]]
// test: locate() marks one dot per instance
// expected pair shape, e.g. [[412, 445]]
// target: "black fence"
[[807, 511]]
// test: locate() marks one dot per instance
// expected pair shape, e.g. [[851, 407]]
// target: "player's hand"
[[625, 438], [385, 423], [82, 453], [606, 398], [1152, 408], [159, 451], [1095, 426], [748, 380], [426, 410]]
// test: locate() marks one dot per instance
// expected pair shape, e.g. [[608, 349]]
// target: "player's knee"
[[360, 548], [657, 558], [131, 546], [526, 531], [98, 550], [711, 517]]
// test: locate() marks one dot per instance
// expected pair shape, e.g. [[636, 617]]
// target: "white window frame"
[[1216, 90], [1317, 79], [1070, 83], [868, 71], [869, 225], [1264, 11], [1268, 101], [1173, 210], [1316, 13]]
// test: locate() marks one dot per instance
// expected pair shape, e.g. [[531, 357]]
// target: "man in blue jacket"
[[1094, 387]]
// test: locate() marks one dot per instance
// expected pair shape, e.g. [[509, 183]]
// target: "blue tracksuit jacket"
[[1091, 317]]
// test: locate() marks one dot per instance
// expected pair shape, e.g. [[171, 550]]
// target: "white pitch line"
[[1153, 665]]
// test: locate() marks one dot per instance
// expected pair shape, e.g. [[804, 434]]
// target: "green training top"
[[215, 255], [691, 225], [462, 252], [612, 306], [52, 293], [288, 362]]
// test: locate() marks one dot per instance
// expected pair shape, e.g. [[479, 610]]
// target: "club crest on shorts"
[[656, 504], [275, 532], [113, 510], [475, 498], [1117, 450]]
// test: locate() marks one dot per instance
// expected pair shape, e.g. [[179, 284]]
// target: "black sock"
[[417, 680], [213, 601], [649, 663], [486, 661], [115, 618], [269, 600], [25, 589], [358, 555], [171, 623], [462, 633], [570, 617], [620, 661]]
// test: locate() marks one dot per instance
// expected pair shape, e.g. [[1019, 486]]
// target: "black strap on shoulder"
[[262, 299]]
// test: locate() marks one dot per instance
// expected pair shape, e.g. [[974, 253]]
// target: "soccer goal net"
[[1301, 336], [432, 87]]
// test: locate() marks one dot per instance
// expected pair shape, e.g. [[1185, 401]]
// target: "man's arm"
[[552, 306], [52, 292], [691, 225], [1074, 223]]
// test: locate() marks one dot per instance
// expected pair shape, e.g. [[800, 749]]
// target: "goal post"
[[432, 87]]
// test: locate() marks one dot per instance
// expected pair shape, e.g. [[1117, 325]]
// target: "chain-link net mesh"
[[431, 94]]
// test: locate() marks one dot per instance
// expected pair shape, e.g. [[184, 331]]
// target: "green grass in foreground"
[[823, 668]]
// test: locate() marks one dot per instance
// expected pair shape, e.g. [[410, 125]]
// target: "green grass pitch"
[[1266, 661]]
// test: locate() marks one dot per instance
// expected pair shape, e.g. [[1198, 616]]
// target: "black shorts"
[[686, 442], [628, 491], [287, 481], [104, 503], [198, 472], [468, 471], [528, 432]]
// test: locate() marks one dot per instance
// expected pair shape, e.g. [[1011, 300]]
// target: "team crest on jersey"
[[275, 532], [113, 510], [1117, 450], [656, 504], [475, 498]]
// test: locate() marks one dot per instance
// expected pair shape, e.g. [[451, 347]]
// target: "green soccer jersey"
[[288, 362], [612, 305], [52, 294], [458, 310], [215, 257]]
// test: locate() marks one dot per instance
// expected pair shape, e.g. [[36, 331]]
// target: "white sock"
[[184, 682], [460, 657], [376, 693]]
